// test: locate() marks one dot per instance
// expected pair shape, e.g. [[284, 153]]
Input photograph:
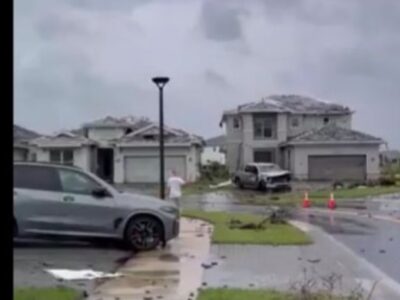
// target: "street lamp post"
[[161, 82]]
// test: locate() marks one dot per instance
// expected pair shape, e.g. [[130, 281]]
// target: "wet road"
[[376, 240], [32, 257]]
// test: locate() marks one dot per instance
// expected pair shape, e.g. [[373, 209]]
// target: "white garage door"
[[146, 169]]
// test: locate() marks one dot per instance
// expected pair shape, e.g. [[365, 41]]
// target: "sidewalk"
[[172, 273]]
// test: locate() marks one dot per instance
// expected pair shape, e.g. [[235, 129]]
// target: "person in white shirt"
[[175, 184]]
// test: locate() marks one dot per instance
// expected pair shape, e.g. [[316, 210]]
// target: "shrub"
[[387, 181], [214, 171]]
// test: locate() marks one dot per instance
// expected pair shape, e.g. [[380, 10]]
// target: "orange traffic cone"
[[332, 202], [306, 201]]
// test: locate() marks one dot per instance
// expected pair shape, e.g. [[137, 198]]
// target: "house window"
[[295, 121], [149, 137], [265, 127], [65, 157], [236, 123], [326, 120], [264, 156]]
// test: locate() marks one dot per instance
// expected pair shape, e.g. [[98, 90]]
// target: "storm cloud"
[[80, 60]]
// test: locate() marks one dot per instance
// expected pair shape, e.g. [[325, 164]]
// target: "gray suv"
[[54, 199]]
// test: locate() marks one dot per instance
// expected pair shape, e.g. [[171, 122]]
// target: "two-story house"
[[123, 150], [311, 138]]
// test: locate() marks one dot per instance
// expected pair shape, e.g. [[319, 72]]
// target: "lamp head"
[[160, 81]]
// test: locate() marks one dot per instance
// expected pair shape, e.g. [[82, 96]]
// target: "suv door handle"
[[68, 199]]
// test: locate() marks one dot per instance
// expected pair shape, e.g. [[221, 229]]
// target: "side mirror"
[[100, 193]]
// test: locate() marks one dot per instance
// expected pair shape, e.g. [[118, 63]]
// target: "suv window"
[[77, 183], [36, 178]]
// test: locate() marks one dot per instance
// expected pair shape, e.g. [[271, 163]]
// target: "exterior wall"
[[42, 155], [81, 156], [191, 154], [240, 143], [20, 154], [234, 142], [193, 164], [299, 157], [309, 122], [105, 134], [212, 154], [250, 143]]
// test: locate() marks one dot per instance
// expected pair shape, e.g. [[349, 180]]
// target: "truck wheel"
[[262, 186]]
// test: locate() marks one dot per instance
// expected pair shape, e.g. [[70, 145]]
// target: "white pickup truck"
[[263, 176]]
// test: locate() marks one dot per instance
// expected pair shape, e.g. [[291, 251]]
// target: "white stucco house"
[[123, 150], [21, 147], [214, 150], [312, 138]]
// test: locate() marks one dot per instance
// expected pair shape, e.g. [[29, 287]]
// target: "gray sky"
[[78, 60]]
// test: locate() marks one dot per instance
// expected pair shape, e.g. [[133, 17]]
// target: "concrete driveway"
[[32, 257], [174, 272]]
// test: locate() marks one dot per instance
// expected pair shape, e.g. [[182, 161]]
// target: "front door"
[[86, 213]]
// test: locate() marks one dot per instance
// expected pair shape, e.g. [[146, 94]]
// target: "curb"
[[355, 213]]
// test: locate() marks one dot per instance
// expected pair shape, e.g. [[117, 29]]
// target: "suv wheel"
[[143, 233]]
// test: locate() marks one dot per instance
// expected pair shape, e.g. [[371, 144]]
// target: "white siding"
[[212, 154], [81, 156]]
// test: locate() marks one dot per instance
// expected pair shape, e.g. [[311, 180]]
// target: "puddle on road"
[[334, 224], [169, 257]]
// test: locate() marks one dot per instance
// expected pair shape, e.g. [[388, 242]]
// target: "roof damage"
[[293, 104], [333, 133]]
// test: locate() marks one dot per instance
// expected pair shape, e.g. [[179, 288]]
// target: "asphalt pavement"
[[376, 240], [32, 257]]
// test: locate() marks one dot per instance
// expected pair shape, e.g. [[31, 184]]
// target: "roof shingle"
[[333, 133], [294, 104]]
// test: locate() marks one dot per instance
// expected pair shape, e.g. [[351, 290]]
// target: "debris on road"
[[63, 274], [219, 185]]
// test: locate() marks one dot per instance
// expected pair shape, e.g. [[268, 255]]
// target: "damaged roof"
[[113, 122], [171, 135], [141, 130], [333, 133], [23, 134], [62, 139], [216, 141], [294, 104]]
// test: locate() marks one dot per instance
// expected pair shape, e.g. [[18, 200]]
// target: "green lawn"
[[240, 294], [273, 234], [317, 197], [45, 294]]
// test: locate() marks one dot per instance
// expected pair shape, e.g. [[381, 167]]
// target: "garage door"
[[146, 169], [343, 167]]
